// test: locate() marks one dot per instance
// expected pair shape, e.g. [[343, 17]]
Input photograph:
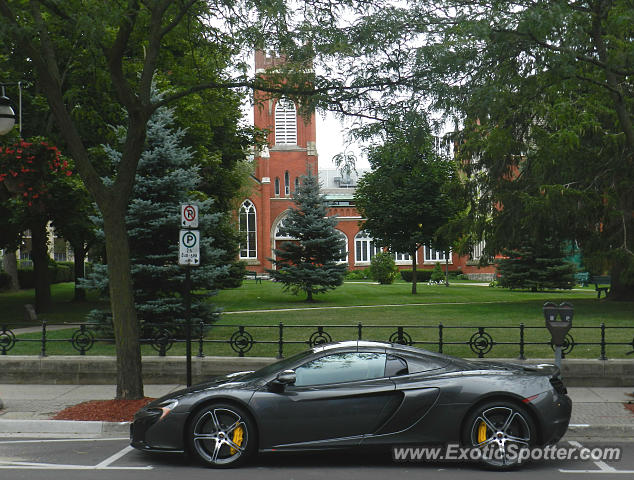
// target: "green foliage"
[[437, 274], [167, 178], [5, 280], [309, 263], [361, 274], [421, 275], [535, 268], [383, 268]]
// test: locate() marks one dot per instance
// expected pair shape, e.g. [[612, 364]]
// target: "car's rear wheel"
[[500, 431], [222, 436]]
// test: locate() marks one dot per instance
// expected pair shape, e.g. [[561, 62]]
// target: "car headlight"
[[166, 407]]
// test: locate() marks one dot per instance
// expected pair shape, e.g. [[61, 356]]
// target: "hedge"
[[58, 273], [421, 275]]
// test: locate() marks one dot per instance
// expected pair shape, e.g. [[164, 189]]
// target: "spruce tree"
[[165, 179], [535, 268], [311, 261]]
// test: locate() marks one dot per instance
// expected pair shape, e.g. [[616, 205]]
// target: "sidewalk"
[[596, 412]]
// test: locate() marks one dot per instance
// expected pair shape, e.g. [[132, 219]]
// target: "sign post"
[[188, 255]]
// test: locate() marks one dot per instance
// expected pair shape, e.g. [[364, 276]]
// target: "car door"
[[336, 399]]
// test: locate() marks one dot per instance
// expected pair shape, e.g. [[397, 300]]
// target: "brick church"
[[292, 152]]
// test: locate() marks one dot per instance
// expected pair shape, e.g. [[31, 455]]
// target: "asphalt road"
[[106, 458]]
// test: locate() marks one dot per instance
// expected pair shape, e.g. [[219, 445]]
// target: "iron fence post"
[[440, 339], [280, 342], [43, 351], [603, 354], [359, 330], [201, 339], [522, 356]]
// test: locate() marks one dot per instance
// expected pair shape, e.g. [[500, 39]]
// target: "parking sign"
[[189, 250]]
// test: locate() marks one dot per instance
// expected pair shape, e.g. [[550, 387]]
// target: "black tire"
[[221, 435], [500, 430]]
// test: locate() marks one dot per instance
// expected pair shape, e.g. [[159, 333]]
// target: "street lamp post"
[[7, 114]]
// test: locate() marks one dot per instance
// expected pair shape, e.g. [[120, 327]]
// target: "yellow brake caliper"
[[238, 436], [482, 432]]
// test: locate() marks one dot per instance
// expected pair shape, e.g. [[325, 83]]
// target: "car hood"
[[223, 381]]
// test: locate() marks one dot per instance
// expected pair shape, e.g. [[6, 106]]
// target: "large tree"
[[36, 188], [412, 190], [96, 62], [311, 261], [543, 95], [167, 178]]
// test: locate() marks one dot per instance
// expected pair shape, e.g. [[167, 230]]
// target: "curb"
[[104, 429], [603, 431], [122, 429]]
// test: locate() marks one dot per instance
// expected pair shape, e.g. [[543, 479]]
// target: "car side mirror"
[[286, 377]]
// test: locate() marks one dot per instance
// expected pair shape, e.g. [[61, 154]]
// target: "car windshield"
[[277, 366]]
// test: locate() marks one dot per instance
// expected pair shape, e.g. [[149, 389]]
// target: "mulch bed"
[[103, 410]]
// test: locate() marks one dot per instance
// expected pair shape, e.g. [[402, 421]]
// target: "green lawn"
[[63, 309], [460, 308]]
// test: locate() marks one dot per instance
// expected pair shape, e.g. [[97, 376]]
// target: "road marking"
[[115, 457], [57, 466], [603, 467], [105, 465], [4, 442]]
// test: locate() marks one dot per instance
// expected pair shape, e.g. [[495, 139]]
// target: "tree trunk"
[[79, 253], [124, 319], [447, 269], [618, 290], [39, 255], [10, 265], [309, 292], [414, 273]]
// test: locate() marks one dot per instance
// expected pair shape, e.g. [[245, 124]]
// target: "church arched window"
[[248, 230]]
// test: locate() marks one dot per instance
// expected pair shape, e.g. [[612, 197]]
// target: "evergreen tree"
[[536, 268], [166, 179], [310, 262]]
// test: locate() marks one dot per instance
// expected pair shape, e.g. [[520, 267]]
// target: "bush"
[[5, 280], [383, 269], [362, 274], [421, 275], [26, 278], [437, 275], [62, 273]]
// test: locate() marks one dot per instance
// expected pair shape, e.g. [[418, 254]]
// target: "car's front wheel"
[[221, 436], [500, 431]]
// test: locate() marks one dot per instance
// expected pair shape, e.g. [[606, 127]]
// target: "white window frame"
[[344, 258], [364, 248], [247, 211], [285, 122], [402, 258], [435, 256]]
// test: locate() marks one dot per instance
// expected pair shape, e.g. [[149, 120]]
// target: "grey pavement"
[[597, 412]]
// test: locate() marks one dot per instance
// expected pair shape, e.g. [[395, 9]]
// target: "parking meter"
[[559, 322]]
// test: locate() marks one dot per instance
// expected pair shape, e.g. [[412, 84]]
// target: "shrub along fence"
[[281, 339]]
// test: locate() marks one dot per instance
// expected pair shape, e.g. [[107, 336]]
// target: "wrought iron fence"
[[242, 339]]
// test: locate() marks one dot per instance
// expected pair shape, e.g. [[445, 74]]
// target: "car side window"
[[395, 366], [341, 367]]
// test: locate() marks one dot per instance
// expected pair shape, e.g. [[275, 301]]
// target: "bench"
[[253, 275], [582, 278], [602, 283]]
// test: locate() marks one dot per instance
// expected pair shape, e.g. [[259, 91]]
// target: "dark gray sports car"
[[359, 393]]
